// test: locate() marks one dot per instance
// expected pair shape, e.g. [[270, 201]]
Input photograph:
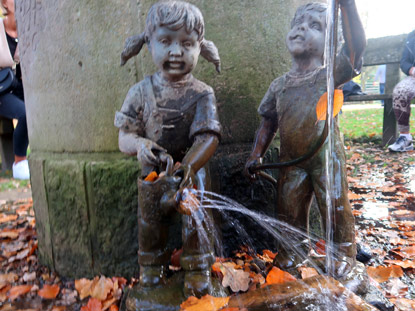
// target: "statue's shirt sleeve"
[[130, 117], [268, 106], [206, 118]]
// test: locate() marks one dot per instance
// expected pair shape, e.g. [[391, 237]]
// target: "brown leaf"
[[404, 264], [238, 280], [277, 276], [114, 308], [49, 291], [206, 303], [7, 218], [268, 253], [93, 305], [307, 272], [83, 286], [58, 308], [8, 278], [108, 303], [9, 233], [17, 291], [3, 293], [101, 288], [381, 274]]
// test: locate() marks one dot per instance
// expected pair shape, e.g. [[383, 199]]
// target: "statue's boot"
[[151, 276], [197, 283]]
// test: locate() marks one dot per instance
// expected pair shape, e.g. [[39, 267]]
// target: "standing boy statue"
[[171, 112], [290, 106]]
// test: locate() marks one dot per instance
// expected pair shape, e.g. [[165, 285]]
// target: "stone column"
[[84, 190]]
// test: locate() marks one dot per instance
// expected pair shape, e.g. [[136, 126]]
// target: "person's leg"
[[403, 93], [382, 91], [13, 108]]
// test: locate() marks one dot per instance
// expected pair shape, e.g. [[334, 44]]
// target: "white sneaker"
[[402, 144], [21, 170]]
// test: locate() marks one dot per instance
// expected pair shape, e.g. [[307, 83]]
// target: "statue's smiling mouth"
[[175, 65]]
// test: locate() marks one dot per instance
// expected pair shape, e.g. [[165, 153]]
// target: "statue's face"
[[306, 38], [175, 52]]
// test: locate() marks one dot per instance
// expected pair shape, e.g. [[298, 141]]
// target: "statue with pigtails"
[[171, 117]]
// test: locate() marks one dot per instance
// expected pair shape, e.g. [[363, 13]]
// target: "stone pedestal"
[[84, 190]]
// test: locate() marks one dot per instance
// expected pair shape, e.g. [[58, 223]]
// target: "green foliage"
[[365, 125]]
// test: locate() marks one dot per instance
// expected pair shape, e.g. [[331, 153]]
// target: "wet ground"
[[382, 187]]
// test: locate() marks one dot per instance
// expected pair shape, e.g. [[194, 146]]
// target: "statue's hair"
[[313, 6], [173, 15]]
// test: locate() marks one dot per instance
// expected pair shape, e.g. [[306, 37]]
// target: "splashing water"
[[297, 241]]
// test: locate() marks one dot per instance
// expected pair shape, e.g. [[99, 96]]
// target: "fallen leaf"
[[58, 308], [404, 264], [8, 278], [18, 291], [108, 303], [9, 233], [49, 291], [206, 303], [381, 274], [93, 305], [83, 286], [114, 308], [101, 288], [268, 253], [321, 108], [238, 280], [307, 272], [28, 277], [277, 276], [151, 177], [395, 287], [7, 218]]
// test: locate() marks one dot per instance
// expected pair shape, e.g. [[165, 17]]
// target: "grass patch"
[[365, 125]]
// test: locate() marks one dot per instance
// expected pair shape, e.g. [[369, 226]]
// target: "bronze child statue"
[[290, 106], [171, 113]]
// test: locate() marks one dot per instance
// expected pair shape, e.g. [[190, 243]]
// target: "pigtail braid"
[[209, 51], [132, 47]]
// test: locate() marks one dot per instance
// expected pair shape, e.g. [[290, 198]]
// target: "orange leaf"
[[321, 247], [269, 253], [83, 287], [151, 177], [114, 308], [93, 305], [58, 308], [321, 108], [17, 291], [49, 291], [206, 303], [7, 218], [382, 274], [277, 276], [404, 264]]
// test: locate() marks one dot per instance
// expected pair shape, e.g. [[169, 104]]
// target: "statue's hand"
[[250, 163], [187, 174], [148, 152]]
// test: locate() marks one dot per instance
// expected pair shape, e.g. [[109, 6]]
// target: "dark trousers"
[[12, 107]]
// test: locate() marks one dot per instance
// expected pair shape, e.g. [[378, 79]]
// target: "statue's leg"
[[153, 229], [294, 199], [198, 248], [343, 220]]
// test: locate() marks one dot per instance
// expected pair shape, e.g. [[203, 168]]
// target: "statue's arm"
[[263, 139], [353, 31]]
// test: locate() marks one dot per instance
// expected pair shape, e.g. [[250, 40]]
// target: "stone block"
[[112, 200], [69, 219], [41, 208]]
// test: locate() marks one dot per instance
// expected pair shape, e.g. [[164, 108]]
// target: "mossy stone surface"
[[112, 198]]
